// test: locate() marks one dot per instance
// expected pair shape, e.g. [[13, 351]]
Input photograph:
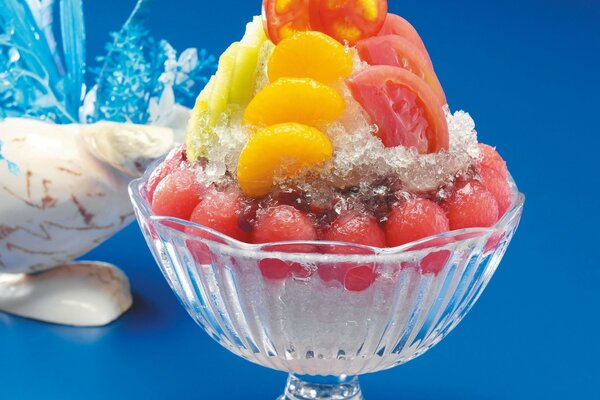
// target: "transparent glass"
[[339, 310]]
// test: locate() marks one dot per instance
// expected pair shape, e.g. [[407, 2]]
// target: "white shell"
[[78, 294], [71, 192]]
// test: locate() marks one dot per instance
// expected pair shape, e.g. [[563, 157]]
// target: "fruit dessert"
[[327, 123]]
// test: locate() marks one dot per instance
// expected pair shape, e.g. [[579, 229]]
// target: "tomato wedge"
[[283, 18], [348, 20], [396, 25], [403, 106], [398, 51]]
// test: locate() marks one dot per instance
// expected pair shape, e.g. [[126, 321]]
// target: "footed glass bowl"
[[324, 312]]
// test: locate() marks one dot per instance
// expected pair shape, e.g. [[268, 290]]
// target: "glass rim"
[[233, 247]]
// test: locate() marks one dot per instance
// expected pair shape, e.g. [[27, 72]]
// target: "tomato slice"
[[283, 18], [398, 51], [348, 20], [396, 25], [403, 106]]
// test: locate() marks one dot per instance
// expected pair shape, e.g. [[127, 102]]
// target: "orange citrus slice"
[[300, 100], [280, 150], [310, 55]]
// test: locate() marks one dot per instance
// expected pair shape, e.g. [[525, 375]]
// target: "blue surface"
[[528, 72]]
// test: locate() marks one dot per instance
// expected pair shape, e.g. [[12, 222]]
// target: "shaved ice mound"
[[335, 139]]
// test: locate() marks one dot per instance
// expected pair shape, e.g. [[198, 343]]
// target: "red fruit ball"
[[471, 206], [278, 270], [490, 158], [435, 262], [413, 220], [178, 194], [221, 211], [282, 224], [356, 227], [498, 186], [174, 160], [351, 227], [274, 269], [359, 278]]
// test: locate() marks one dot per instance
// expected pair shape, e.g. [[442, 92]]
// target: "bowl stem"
[[318, 387]]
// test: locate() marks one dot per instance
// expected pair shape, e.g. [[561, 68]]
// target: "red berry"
[[221, 211], [173, 161], [490, 158], [178, 194], [413, 220], [282, 224], [355, 227], [471, 206]]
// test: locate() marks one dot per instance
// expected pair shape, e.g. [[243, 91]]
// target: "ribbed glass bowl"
[[337, 310]]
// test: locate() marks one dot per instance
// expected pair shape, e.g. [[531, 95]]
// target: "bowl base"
[[326, 388]]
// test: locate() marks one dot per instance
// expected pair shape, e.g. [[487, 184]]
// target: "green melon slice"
[[210, 105], [246, 63], [230, 89]]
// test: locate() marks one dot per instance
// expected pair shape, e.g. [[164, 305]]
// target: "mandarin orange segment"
[[280, 150], [300, 100], [310, 55]]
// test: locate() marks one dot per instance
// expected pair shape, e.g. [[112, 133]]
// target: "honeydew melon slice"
[[245, 72], [210, 105], [229, 90]]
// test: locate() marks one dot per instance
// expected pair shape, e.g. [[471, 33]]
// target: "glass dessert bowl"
[[309, 324], [329, 215]]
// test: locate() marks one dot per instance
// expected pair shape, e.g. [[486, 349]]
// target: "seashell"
[[69, 196]]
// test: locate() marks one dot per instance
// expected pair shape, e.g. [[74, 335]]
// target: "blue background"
[[528, 72]]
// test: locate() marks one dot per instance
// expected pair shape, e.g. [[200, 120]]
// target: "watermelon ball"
[[200, 251], [353, 276], [498, 186], [174, 160], [415, 219], [178, 194], [221, 211], [355, 227], [360, 278], [283, 223], [352, 227], [490, 158], [493, 175], [471, 205], [434, 262]]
